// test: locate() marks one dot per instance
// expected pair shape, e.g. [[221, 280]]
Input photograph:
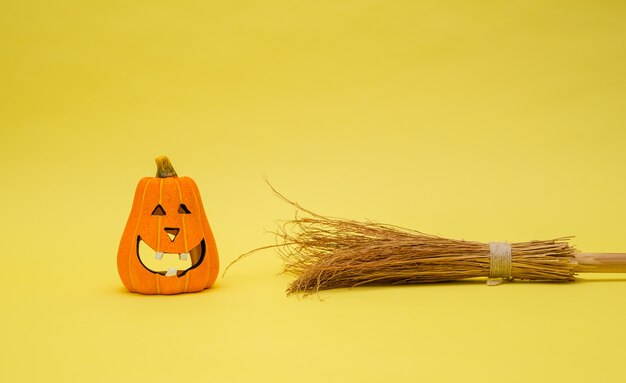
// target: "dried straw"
[[326, 253]]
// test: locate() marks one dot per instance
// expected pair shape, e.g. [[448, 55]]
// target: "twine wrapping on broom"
[[500, 262]]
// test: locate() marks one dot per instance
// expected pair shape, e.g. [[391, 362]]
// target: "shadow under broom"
[[326, 253]]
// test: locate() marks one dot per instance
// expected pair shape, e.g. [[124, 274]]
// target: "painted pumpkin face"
[[167, 246]]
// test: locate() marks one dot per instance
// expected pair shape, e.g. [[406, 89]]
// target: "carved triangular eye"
[[183, 209], [158, 210]]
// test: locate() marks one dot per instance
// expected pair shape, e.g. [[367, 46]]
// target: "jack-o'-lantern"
[[167, 246]]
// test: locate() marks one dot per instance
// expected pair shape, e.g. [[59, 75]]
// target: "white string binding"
[[500, 262]]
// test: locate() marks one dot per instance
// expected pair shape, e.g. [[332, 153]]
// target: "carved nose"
[[172, 232]]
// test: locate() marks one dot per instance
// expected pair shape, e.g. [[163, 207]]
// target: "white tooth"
[[183, 256], [170, 272], [158, 255]]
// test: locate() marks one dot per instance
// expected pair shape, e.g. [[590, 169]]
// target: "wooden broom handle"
[[601, 262]]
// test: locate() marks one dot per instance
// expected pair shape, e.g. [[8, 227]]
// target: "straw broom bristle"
[[326, 253]]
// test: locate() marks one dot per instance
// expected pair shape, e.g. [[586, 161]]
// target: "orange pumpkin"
[[167, 246]]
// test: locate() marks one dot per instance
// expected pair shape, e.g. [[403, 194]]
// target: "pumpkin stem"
[[164, 167]]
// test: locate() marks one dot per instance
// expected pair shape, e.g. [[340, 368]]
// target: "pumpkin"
[[167, 246]]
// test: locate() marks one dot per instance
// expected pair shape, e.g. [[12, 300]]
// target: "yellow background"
[[479, 120]]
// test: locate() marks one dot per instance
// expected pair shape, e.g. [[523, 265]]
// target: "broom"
[[326, 253]]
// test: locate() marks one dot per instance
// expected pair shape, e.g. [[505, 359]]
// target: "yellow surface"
[[475, 120]]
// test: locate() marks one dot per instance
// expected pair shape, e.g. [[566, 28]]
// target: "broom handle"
[[601, 262]]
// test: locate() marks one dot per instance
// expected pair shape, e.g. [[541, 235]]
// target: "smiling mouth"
[[169, 264]]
